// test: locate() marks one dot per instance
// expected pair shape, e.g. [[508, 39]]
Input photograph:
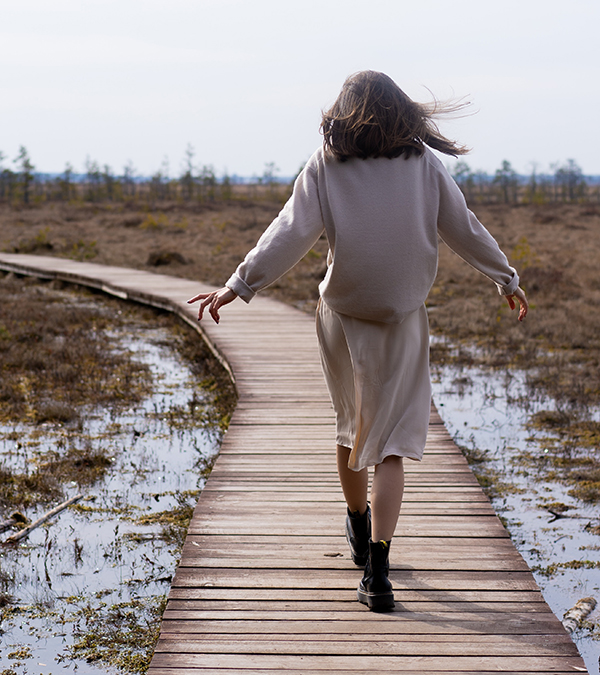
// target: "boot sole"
[[376, 602]]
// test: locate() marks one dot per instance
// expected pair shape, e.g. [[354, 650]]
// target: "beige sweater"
[[382, 218]]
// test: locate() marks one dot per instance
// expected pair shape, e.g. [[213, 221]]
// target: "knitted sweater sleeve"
[[460, 229], [285, 242]]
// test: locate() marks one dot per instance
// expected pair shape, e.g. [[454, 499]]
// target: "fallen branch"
[[36, 523], [556, 515]]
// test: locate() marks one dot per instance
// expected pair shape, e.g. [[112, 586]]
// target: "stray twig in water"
[[36, 523]]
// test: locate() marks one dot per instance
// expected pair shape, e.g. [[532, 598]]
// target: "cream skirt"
[[378, 379]]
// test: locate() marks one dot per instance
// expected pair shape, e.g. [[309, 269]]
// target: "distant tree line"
[[20, 185], [566, 183]]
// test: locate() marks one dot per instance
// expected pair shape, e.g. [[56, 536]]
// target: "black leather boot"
[[375, 589], [358, 534]]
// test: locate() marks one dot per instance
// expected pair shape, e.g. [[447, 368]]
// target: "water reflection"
[[109, 560], [486, 412]]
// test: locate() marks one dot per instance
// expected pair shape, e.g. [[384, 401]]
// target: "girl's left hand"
[[519, 294], [214, 301]]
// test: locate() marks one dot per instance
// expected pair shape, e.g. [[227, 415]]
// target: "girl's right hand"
[[519, 294], [214, 301]]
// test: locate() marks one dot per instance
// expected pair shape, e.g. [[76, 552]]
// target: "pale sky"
[[244, 81]]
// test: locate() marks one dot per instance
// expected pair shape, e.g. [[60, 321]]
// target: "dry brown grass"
[[210, 238], [59, 362], [556, 249], [56, 356]]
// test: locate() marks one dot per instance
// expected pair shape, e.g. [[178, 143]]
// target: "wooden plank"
[[361, 615], [321, 542], [191, 670], [432, 526], [386, 630], [259, 463], [232, 508], [280, 494], [332, 607], [425, 509], [322, 580], [345, 645], [303, 476], [332, 561], [397, 664], [348, 595]]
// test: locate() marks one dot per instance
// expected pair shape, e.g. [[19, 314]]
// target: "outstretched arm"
[[460, 229], [284, 243], [214, 301], [519, 294]]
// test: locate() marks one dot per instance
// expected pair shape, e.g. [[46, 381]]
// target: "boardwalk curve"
[[266, 584]]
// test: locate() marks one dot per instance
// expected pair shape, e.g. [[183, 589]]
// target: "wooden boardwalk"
[[266, 584]]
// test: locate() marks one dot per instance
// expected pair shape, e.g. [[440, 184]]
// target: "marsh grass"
[[56, 356], [83, 466], [23, 490], [489, 479], [555, 568], [569, 445], [174, 522], [555, 247], [78, 433], [122, 634], [57, 361], [214, 410]]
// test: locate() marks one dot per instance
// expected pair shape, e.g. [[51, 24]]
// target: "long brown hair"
[[373, 117]]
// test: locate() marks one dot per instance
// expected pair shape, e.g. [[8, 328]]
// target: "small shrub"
[[158, 258]]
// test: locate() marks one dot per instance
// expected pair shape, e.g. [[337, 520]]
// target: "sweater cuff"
[[511, 286], [240, 287]]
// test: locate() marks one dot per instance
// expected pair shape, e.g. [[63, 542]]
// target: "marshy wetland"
[[523, 400], [533, 479], [122, 405]]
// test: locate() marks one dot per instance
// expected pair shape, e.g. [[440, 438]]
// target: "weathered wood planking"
[[266, 585]]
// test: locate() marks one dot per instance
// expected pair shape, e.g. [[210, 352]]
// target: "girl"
[[383, 199]]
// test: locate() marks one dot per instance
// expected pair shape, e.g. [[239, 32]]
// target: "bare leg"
[[386, 497], [355, 484]]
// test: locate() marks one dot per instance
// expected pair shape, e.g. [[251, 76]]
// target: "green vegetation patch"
[[174, 522], [22, 490], [569, 455], [554, 568], [587, 484], [212, 411], [489, 479], [122, 635], [44, 478], [584, 433], [119, 636], [83, 466]]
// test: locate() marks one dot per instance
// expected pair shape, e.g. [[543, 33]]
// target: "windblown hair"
[[373, 117]]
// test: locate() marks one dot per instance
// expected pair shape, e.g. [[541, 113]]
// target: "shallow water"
[[94, 563], [488, 410]]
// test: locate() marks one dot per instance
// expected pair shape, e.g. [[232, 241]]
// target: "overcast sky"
[[244, 81]]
